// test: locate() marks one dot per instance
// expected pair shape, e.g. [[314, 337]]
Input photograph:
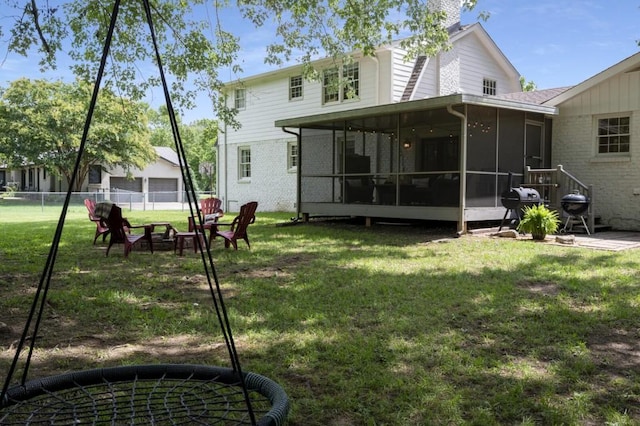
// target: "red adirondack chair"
[[101, 225], [120, 232], [238, 228], [211, 211]]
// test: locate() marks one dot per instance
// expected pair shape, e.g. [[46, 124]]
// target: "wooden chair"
[[101, 226], [211, 210], [120, 232], [238, 228]]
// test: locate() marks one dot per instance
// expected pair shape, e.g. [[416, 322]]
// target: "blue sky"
[[562, 42], [553, 43]]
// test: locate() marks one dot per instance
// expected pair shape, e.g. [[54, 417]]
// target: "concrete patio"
[[606, 240]]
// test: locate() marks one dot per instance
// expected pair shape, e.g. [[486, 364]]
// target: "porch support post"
[[298, 169], [462, 224]]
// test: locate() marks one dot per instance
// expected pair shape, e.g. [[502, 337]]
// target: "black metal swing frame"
[[142, 394]]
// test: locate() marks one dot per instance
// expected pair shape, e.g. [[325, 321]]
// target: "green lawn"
[[386, 325]]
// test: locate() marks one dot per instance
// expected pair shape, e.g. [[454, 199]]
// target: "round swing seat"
[[163, 394]]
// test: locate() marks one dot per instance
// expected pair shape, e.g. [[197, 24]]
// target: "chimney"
[[450, 7]]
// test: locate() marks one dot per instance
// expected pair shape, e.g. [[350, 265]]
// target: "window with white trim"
[[614, 135], [330, 86], [292, 155], [295, 87], [339, 87], [351, 81], [489, 86], [240, 98], [244, 163]]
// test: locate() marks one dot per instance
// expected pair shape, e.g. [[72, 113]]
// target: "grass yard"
[[385, 325]]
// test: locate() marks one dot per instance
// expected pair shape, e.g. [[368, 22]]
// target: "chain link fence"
[[165, 200]]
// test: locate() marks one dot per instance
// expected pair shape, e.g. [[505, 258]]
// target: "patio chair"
[[120, 232], [211, 211], [101, 226], [238, 228]]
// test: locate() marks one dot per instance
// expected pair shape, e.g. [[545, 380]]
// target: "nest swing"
[[161, 394]]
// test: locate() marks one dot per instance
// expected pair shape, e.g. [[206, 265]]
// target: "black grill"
[[517, 198], [575, 204]]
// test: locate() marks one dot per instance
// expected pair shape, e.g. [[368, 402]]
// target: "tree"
[[42, 122], [194, 48], [527, 86]]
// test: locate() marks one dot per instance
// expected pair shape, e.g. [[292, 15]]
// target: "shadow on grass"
[[387, 325]]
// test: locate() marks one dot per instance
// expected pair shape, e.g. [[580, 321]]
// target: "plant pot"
[[539, 236]]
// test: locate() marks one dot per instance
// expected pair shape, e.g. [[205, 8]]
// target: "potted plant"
[[539, 221]]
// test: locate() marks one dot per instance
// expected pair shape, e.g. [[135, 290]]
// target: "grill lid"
[[575, 203], [514, 197]]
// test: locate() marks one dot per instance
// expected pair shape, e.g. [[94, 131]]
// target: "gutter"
[[298, 170], [462, 226]]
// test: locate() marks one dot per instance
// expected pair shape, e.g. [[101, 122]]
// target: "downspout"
[[462, 225], [226, 170], [298, 171]]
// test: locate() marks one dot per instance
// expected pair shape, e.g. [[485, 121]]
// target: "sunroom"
[[446, 159]]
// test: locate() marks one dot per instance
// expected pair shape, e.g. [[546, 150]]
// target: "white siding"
[[616, 181], [427, 86], [272, 184], [401, 73], [479, 64]]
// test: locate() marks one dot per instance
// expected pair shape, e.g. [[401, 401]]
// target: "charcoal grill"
[[575, 205], [515, 199]]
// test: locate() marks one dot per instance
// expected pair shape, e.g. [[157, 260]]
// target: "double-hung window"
[[614, 135], [244, 163], [240, 99], [340, 86], [292, 155], [295, 87]]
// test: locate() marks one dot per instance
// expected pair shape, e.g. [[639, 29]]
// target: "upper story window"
[[338, 87], [489, 86], [295, 87], [292, 155], [240, 98], [351, 77], [244, 162], [614, 135]]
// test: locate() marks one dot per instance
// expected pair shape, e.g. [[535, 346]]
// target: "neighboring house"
[[162, 179], [260, 162], [596, 136]]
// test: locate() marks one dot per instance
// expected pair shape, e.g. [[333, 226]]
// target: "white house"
[[259, 161], [161, 178], [596, 135]]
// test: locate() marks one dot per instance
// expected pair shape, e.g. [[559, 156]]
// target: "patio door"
[[533, 145]]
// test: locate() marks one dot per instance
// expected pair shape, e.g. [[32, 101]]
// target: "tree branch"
[[36, 22]]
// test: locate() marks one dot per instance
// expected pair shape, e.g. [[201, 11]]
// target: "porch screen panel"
[[316, 152], [317, 165], [481, 139], [511, 142], [481, 190], [319, 189]]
